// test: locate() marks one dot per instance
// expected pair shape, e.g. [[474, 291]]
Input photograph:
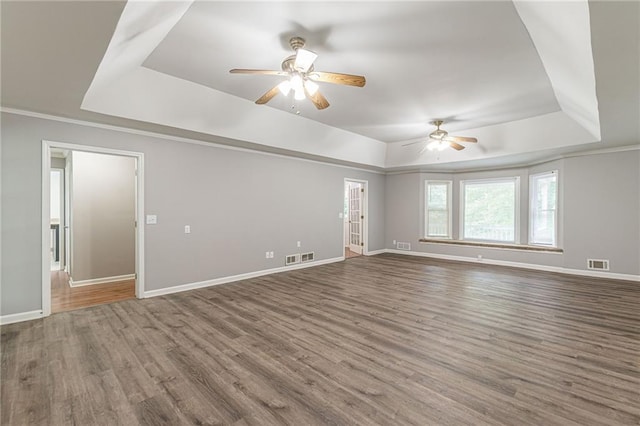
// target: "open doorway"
[[57, 222], [93, 205], [355, 218]]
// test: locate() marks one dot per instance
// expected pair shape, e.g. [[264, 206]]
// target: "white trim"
[[45, 262], [147, 133], [375, 252], [521, 265], [46, 234], [239, 277], [103, 280], [19, 317]]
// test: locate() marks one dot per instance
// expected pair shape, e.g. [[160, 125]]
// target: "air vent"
[[598, 264], [292, 259], [403, 246], [307, 257]]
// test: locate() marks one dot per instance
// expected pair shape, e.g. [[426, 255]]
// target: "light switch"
[[152, 219], [340, 215], [187, 229]]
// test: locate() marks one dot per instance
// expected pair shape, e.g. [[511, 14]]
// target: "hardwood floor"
[[384, 340], [65, 298], [348, 253]]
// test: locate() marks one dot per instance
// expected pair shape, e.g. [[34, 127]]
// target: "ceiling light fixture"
[[285, 87], [299, 70], [311, 87], [437, 145]]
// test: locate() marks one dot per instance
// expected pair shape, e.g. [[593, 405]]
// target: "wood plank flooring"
[[348, 253], [382, 340], [65, 298]]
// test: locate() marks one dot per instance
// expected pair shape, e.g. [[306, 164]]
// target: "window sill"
[[521, 247]]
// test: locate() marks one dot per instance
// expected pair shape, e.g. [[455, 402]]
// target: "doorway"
[[355, 224], [92, 205], [57, 222]]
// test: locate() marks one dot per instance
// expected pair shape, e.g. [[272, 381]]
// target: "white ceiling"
[[418, 65], [529, 79]]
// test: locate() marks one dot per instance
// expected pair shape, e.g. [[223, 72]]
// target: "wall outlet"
[[270, 255], [298, 243], [152, 219], [394, 242], [266, 255], [187, 229]]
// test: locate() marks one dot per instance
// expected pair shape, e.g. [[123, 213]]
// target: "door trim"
[[365, 212], [46, 232]]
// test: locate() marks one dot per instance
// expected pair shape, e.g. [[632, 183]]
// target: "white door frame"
[[46, 231], [364, 230]]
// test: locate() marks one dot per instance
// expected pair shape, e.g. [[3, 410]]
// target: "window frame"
[[516, 213], [532, 194], [449, 184]]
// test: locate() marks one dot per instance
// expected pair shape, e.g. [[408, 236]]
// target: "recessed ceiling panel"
[[469, 63]]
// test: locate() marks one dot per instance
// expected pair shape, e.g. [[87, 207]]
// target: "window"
[[490, 209], [437, 216], [543, 209]]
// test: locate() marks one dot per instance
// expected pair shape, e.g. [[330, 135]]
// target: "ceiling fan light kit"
[[302, 77], [440, 139]]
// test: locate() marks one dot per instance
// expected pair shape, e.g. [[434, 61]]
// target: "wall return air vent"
[[403, 246], [307, 257], [292, 259], [598, 264]]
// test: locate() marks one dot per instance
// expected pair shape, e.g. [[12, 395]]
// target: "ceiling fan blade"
[[304, 59], [318, 99], [336, 78], [264, 72], [412, 143], [268, 96], [455, 146], [460, 139]]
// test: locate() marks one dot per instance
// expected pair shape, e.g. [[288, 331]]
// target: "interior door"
[[356, 217]]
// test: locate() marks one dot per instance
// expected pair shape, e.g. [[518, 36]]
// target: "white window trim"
[[516, 232], [449, 184], [531, 199]]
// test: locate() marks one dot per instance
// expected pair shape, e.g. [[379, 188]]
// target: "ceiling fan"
[[440, 140], [301, 77]]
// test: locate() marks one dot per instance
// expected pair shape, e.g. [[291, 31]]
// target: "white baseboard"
[[22, 316], [103, 280], [232, 278], [375, 252], [522, 265]]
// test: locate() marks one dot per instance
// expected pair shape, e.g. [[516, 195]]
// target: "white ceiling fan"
[[439, 139], [301, 77]]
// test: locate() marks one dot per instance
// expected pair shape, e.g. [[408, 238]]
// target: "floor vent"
[[292, 259], [598, 264], [403, 246], [307, 257]]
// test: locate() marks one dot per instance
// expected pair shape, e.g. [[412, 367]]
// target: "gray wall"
[[241, 204], [103, 217], [599, 212], [238, 204], [602, 210]]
